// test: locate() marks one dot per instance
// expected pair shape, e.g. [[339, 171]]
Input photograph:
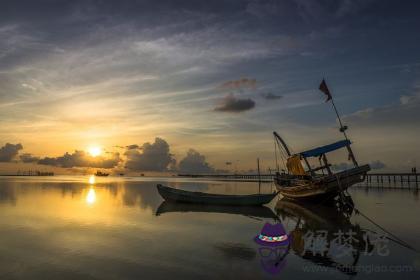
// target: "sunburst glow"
[[95, 151], [92, 179]]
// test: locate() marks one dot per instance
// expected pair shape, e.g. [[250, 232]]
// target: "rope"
[[275, 152], [397, 239]]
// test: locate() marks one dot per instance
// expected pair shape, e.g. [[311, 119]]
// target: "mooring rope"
[[397, 239]]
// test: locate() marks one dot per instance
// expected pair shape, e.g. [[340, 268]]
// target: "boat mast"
[[279, 139], [323, 87], [342, 128]]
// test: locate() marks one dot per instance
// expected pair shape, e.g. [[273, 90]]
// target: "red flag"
[[323, 87]]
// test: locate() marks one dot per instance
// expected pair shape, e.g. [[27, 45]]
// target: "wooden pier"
[[393, 180], [381, 180], [233, 177]]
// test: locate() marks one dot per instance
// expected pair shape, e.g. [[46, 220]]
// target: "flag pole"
[[324, 88], [342, 128]]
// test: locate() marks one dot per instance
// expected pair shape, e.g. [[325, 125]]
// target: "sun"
[[95, 151]]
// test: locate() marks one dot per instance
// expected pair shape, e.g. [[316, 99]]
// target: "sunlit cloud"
[[100, 73]]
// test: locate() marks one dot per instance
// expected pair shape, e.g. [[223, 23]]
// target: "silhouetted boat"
[[299, 183], [248, 211], [101, 174], [172, 194]]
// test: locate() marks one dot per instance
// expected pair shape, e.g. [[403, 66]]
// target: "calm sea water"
[[120, 228]]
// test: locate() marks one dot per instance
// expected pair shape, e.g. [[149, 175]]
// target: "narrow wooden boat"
[[247, 211], [178, 195]]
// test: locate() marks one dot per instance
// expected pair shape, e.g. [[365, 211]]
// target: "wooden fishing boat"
[[178, 195], [320, 182], [317, 183]]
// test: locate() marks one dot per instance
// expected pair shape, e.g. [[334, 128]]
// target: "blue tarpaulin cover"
[[325, 149]]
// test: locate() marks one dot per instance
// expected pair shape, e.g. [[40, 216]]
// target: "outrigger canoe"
[[178, 195]]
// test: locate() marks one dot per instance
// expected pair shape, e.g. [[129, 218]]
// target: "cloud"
[[150, 157], [405, 113], [28, 158], [82, 159], [194, 162], [244, 83], [132, 147], [376, 164], [235, 105], [271, 96], [9, 151], [341, 166]]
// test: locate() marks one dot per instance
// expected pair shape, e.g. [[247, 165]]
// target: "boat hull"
[[171, 194], [316, 188]]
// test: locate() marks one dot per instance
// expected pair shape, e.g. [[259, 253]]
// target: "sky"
[[190, 85]]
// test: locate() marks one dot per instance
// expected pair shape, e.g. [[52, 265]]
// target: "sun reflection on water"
[[91, 196], [92, 179]]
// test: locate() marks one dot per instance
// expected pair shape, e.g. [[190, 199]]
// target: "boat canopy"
[[325, 149]]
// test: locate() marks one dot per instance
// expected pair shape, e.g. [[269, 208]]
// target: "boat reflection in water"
[[248, 211], [324, 235]]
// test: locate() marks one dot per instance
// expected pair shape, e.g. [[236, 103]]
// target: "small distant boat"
[[177, 195], [101, 174]]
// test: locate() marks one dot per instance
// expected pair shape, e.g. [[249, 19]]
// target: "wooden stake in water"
[[259, 175]]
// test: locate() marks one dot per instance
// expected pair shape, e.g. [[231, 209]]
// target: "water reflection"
[[273, 259], [233, 250], [115, 228], [324, 235], [92, 179], [7, 194], [255, 212], [91, 196]]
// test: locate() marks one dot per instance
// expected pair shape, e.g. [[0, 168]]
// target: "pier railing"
[[383, 180], [236, 177], [401, 180]]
